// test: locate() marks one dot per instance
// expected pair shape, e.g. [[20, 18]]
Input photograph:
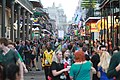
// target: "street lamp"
[[117, 21]]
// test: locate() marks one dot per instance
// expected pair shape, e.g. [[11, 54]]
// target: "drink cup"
[[68, 66]]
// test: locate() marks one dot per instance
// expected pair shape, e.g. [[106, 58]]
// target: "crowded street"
[[35, 75], [59, 39]]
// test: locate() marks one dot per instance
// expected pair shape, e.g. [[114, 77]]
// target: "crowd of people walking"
[[61, 59]]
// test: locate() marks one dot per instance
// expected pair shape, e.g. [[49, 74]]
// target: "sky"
[[69, 6]]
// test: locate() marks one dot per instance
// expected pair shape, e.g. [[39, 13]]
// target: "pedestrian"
[[13, 72], [57, 67], [115, 50], [103, 65], [47, 59], [67, 63], [11, 45], [87, 57], [8, 56], [19, 47], [70, 47], [27, 53], [95, 59], [114, 67], [34, 56], [81, 69]]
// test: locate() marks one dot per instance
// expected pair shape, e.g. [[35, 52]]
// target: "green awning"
[[38, 13]]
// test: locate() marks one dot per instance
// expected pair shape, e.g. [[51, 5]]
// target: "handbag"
[[78, 72]]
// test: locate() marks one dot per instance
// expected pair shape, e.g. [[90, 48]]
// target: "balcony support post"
[[24, 11], [27, 30], [18, 23], [3, 18], [12, 20], [31, 25]]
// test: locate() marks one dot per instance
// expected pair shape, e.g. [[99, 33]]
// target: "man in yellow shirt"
[[47, 59]]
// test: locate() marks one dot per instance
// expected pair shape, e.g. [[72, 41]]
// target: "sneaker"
[[37, 69]]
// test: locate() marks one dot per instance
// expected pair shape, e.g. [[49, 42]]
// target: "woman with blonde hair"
[[57, 67], [103, 65], [81, 69]]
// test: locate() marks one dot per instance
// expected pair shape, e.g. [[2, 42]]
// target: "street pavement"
[[35, 75]]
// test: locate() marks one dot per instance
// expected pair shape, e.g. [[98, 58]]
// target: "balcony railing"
[[35, 0], [36, 3], [26, 4]]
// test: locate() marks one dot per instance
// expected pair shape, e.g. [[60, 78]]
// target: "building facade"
[[12, 11], [57, 14], [110, 10]]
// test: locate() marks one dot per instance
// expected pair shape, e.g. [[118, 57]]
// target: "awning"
[[91, 21], [38, 13], [104, 23]]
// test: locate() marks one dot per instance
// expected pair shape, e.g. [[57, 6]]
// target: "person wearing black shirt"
[[95, 59], [57, 68]]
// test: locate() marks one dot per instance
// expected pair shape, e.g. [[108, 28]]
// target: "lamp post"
[[117, 21]]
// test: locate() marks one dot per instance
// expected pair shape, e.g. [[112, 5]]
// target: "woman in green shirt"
[[81, 69]]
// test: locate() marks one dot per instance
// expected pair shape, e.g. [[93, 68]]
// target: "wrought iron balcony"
[[101, 1], [36, 3], [26, 4]]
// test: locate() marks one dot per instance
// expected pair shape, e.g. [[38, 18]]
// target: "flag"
[[76, 18]]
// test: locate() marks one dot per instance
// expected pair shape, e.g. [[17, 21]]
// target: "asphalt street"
[[35, 75]]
